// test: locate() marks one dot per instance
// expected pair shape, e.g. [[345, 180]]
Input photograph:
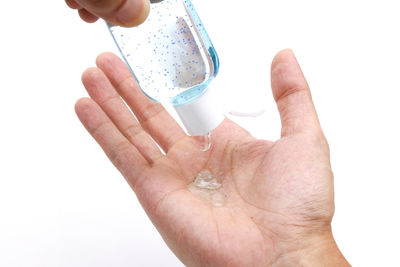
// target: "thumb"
[[292, 95], [126, 13]]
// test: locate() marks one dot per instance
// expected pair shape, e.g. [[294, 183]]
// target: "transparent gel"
[[204, 142], [207, 187]]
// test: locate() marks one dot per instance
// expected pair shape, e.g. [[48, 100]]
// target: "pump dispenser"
[[173, 60]]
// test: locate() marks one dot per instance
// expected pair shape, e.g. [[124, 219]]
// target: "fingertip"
[[96, 84], [113, 67], [284, 52], [87, 16], [292, 95], [105, 58], [286, 74], [89, 113], [73, 4], [133, 13], [282, 55], [81, 106], [89, 75]]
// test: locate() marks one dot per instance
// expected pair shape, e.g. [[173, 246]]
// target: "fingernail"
[[132, 13]]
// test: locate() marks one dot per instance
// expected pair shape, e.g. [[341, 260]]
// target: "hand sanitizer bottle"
[[174, 61]]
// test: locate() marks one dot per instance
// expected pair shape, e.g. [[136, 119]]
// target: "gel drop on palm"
[[173, 61]]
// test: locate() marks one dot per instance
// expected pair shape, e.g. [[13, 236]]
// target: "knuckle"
[[290, 90], [120, 156], [132, 131], [151, 111]]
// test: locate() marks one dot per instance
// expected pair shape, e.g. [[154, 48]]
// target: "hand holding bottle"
[[121, 12], [278, 196]]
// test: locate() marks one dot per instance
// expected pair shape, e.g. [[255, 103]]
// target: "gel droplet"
[[207, 187], [204, 142], [207, 180]]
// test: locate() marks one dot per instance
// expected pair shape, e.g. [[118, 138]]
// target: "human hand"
[[279, 195], [126, 13]]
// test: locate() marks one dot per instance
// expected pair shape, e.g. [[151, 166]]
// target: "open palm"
[[278, 195]]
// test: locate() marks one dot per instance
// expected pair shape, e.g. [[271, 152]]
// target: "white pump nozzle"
[[202, 115]]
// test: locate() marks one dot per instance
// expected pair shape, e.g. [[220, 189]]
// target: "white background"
[[63, 204]]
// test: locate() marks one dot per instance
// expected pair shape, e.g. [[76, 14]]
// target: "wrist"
[[320, 250]]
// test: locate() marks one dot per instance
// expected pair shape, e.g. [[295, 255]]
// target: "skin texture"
[[279, 195], [125, 13]]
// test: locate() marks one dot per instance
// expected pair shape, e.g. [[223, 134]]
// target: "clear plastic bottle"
[[173, 60]]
